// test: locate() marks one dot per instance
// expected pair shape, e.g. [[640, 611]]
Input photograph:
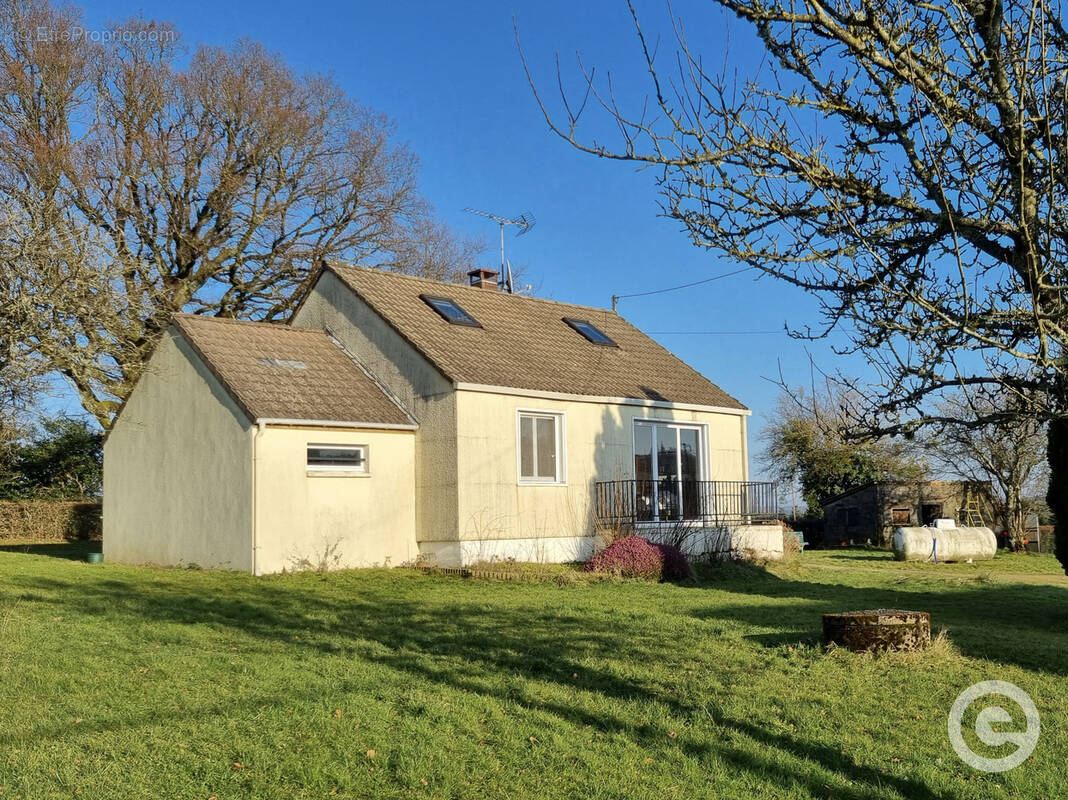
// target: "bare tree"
[[903, 162], [807, 440], [29, 298], [1010, 456], [211, 186]]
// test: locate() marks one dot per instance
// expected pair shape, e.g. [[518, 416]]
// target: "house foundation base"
[[554, 550], [736, 543]]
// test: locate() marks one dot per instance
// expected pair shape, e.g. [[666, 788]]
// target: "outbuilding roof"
[[275, 372], [529, 343], [917, 483]]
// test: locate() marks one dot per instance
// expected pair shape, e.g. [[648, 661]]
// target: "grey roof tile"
[[278, 372], [524, 343]]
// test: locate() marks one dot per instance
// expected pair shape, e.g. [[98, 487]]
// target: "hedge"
[[49, 520]]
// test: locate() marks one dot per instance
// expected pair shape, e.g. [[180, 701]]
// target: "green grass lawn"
[[118, 682]]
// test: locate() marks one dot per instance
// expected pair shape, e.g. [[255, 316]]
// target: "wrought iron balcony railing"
[[713, 503]]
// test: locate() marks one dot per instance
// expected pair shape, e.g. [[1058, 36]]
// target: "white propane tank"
[[944, 544]]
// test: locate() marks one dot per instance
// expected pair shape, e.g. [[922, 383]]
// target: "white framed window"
[[669, 467], [337, 459], [540, 447]]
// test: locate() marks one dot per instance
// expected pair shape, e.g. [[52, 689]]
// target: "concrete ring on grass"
[[879, 629]]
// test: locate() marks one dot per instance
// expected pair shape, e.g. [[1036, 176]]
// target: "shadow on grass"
[[477, 647], [856, 555], [475, 638], [72, 551], [1022, 624]]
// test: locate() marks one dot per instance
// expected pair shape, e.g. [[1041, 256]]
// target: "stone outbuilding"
[[871, 513]]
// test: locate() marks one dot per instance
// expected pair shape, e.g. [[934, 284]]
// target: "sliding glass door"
[[667, 470]]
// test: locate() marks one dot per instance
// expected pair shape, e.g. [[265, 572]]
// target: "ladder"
[[971, 512]]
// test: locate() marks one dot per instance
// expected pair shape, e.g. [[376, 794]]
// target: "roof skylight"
[[283, 363], [590, 331], [450, 310]]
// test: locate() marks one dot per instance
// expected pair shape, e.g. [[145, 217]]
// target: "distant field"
[[120, 682]]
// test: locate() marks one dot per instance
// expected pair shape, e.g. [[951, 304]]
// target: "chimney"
[[484, 278]]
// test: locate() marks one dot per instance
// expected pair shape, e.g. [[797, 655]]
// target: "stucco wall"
[[467, 493], [337, 521], [416, 383], [178, 469], [492, 504]]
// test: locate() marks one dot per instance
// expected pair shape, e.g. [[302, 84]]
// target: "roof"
[[275, 372], [524, 343]]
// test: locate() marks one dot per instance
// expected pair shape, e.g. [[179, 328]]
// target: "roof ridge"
[[389, 393], [519, 297], [278, 326]]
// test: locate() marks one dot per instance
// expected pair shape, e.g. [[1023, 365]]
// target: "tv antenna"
[[524, 222]]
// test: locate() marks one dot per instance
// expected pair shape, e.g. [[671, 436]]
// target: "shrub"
[[631, 557], [43, 520], [675, 564], [606, 534], [63, 462], [791, 547]]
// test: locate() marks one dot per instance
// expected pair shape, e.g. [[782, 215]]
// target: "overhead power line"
[[617, 297], [712, 333], [744, 333]]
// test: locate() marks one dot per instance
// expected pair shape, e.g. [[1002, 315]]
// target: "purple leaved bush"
[[675, 564], [635, 557], [631, 557]]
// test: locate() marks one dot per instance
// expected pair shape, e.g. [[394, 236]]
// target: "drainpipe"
[[257, 432], [745, 447]]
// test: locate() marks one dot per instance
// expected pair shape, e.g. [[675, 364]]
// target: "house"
[[398, 419], [874, 511]]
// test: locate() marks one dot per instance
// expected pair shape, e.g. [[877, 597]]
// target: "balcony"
[[712, 504]]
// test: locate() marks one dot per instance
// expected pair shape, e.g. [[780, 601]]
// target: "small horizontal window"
[[590, 331], [450, 310], [337, 458], [901, 516]]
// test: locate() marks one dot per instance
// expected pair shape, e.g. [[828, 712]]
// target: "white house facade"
[[398, 419]]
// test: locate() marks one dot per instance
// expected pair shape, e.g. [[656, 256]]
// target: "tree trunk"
[[1014, 519], [1057, 496]]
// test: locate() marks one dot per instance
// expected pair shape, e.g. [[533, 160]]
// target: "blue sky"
[[450, 76]]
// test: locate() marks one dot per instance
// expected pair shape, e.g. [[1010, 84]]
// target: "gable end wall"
[[178, 469], [423, 391]]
